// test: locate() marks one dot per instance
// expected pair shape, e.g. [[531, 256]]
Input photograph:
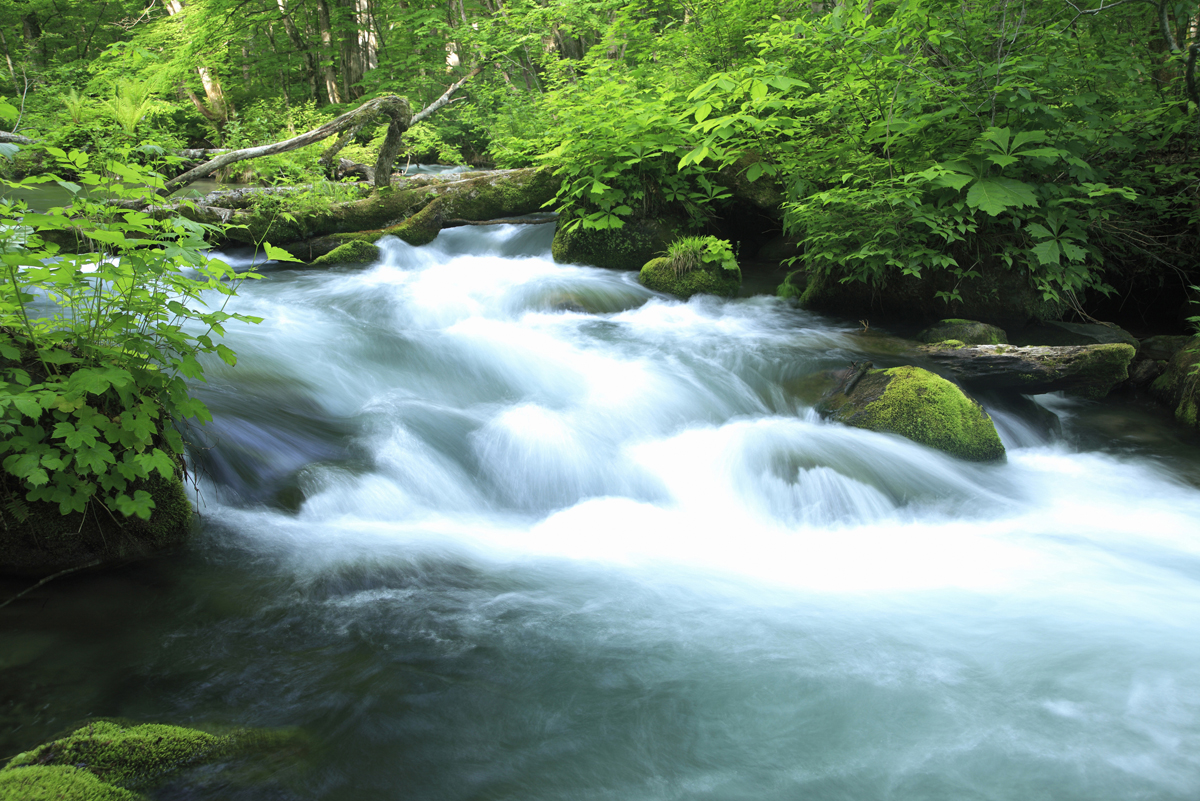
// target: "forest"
[[1052, 140]]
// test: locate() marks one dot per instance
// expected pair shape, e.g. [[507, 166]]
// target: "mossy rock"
[[916, 404], [625, 248], [965, 332], [36, 539], [1000, 297], [657, 274], [1178, 387], [354, 252], [106, 760], [58, 783]]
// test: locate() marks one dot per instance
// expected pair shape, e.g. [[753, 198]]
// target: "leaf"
[[995, 195], [703, 112], [73, 188], [28, 406], [8, 150], [999, 137], [1047, 252], [227, 355], [755, 171], [277, 253]]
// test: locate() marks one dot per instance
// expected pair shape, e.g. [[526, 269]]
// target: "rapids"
[[487, 527]]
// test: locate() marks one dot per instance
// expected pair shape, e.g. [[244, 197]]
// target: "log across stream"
[[484, 526]]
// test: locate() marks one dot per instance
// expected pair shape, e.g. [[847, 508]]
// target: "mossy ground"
[[921, 406], [58, 783], [657, 274]]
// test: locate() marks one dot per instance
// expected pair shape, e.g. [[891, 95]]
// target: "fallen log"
[[1088, 370]]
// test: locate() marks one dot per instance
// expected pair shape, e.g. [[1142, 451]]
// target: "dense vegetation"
[[1056, 139]]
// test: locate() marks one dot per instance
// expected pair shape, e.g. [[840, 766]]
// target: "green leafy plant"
[[130, 103], [105, 311], [692, 252]]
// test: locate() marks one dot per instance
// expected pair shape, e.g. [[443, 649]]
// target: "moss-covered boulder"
[[625, 248], [916, 404], [1178, 387], [36, 539], [965, 332], [352, 253], [109, 760], [659, 275]]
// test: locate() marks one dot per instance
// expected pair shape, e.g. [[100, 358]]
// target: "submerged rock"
[[916, 404], [1087, 370], [966, 332], [659, 275]]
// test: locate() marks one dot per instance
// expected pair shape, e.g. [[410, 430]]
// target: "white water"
[[522, 530]]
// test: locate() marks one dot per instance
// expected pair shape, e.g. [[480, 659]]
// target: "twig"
[[59, 574]]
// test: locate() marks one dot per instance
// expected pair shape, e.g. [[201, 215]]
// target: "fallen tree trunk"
[[415, 210], [1088, 370]]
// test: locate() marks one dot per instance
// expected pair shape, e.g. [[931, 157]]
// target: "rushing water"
[[485, 527]]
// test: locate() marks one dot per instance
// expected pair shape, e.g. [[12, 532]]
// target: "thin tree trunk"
[[327, 54], [289, 27], [8, 59]]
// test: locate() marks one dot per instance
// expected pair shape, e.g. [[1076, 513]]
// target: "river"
[[486, 527]]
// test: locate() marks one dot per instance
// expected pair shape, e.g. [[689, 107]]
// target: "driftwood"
[[1090, 370]]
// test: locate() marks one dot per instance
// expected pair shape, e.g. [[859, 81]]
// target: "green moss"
[[921, 406], [130, 756], [104, 760], [657, 274], [58, 783], [1107, 366], [353, 252]]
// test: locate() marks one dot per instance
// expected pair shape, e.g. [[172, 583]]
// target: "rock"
[[1162, 348], [1143, 372], [625, 248], [354, 252], [1000, 297], [967, 332], [37, 540], [916, 404], [1087, 370], [1053, 332], [657, 274], [765, 193], [107, 760], [1179, 386]]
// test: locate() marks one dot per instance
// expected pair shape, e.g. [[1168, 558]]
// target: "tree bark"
[[327, 55], [293, 33]]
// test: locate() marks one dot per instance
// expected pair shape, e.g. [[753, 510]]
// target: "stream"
[[481, 526]]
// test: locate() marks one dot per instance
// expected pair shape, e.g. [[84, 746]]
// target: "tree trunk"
[[327, 55], [310, 65]]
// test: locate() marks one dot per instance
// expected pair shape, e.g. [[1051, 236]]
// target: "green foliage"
[[131, 101], [95, 345], [692, 252]]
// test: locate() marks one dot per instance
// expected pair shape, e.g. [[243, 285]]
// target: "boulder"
[[968, 332], [1087, 370], [1179, 385], [658, 274], [916, 404], [353, 252], [36, 539], [626, 248]]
